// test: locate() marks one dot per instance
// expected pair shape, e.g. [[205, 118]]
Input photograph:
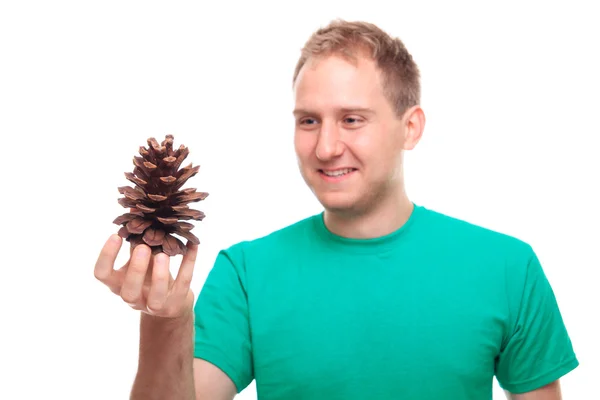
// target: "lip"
[[335, 179]]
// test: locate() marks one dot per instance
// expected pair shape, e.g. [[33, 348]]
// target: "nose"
[[329, 145]]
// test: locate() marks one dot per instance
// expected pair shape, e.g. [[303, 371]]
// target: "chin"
[[337, 202]]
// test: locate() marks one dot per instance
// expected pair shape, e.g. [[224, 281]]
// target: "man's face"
[[348, 139]]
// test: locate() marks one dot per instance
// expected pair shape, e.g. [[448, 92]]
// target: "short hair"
[[401, 76]]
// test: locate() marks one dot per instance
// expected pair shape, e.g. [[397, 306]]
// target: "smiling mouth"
[[337, 173]]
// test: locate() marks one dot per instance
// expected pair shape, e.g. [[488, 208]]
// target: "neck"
[[388, 217]]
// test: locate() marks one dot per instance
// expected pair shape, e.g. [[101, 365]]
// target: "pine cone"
[[156, 202]]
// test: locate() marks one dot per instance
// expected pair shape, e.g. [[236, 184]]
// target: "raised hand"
[[145, 282]]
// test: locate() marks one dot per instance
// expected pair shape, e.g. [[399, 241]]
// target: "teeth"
[[339, 172]]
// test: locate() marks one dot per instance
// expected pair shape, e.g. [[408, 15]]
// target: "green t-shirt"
[[434, 310]]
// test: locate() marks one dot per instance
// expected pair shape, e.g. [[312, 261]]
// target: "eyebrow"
[[341, 109]]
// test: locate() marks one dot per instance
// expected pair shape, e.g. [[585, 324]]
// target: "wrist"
[[183, 319]]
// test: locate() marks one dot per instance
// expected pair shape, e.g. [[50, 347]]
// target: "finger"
[[159, 288], [123, 270], [104, 268], [185, 274], [131, 292]]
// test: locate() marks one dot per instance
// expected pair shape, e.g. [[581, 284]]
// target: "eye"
[[353, 121], [307, 121]]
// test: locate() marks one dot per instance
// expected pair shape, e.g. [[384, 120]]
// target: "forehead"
[[336, 82]]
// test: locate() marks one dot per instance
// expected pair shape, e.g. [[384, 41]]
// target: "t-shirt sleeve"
[[538, 349], [222, 332]]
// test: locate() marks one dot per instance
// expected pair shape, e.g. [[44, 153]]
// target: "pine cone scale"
[[167, 221], [190, 214], [157, 197], [173, 246], [181, 155], [127, 203], [185, 226], [141, 174], [188, 235], [132, 193], [124, 233], [134, 179], [138, 225], [154, 237], [150, 166], [198, 196], [124, 218]]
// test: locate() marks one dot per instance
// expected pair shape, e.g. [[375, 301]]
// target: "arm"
[[211, 382], [167, 368], [549, 392], [537, 350]]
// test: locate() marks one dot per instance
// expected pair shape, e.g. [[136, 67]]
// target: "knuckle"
[[138, 268], [155, 305], [186, 281], [129, 296], [115, 290], [160, 277], [170, 311], [100, 275]]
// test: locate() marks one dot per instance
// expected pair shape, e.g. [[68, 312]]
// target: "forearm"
[[165, 369]]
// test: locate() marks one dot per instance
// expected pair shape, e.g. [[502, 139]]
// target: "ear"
[[414, 124]]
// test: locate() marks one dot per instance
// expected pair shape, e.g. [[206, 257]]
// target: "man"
[[376, 297]]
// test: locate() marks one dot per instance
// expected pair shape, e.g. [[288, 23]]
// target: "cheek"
[[377, 151], [366, 148], [303, 145]]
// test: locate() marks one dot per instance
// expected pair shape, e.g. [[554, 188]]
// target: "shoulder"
[[468, 235], [282, 240], [500, 260], [504, 258]]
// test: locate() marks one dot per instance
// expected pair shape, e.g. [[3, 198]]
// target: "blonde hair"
[[401, 77]]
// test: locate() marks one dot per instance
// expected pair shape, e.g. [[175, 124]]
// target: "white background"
[[510, 93]]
